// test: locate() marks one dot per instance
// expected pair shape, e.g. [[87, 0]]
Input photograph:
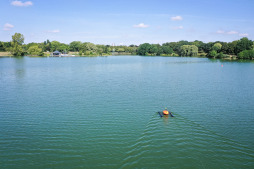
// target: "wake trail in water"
[[160, 142], [211, 133], [142, 144], [220, 145]]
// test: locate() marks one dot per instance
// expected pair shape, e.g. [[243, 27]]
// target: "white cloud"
[[228, 33], [232, 32], [53, 31], [178, 27], [244, 34], [8, 27], [20, 3], [220, 32], [176, 18], [141, 25]]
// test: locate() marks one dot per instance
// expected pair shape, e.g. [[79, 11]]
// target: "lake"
[[101, 112]]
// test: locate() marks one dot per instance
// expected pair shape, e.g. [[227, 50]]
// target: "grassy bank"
[[5, 54]]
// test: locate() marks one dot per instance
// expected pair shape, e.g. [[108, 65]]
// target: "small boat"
[[161, 114]]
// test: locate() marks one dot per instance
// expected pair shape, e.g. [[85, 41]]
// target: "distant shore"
[[47, 54]]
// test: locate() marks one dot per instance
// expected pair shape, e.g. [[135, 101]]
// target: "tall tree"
[[16, 44], [46, 46]]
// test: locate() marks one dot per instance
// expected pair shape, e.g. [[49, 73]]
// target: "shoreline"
[[5, 54], [231, 58]]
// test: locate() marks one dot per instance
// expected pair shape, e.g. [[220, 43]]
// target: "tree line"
[[241, 49]]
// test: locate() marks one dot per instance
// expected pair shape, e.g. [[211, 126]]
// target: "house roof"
[[56, 52]]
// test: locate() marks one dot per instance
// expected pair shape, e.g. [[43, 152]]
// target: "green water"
[[100, 112]]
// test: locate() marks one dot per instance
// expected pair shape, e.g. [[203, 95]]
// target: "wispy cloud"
[[178, 27], [176, 18], [232, 32], [53, 31], [226, 32], [220, 32], [8, 27], [22, 4], [141, 25], [244, 34]]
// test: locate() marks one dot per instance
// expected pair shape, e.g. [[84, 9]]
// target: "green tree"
[[243, 44], [153, 50], [131, 49], [217, 47], [246, 54], [55, 46], [143, 49], [2, 48], [224, 48], [18, 38], [7, 46], [179, 44], [120, 49], [220, 55], [107, 49], [160, 50], [199, 44], [27, 46], [208, 47], [89, 48], [167, 49], [188, 50], [232, 48], [16, 44], [46, 46], [35, 50], [212, 54], [64, 48], [75, 46]]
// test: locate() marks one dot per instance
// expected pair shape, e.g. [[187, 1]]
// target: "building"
[[56, 54]]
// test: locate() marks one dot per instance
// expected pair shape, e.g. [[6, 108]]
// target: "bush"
[[175, 54], [212, 54], [220, 55]]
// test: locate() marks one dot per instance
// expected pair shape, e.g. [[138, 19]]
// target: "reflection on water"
[[19, 66]]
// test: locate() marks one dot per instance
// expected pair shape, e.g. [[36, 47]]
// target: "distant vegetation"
[[239, 49]]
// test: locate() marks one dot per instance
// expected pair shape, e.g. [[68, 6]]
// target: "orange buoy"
[[165, 112]]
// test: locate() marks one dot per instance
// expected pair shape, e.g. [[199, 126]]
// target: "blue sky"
[[126, 22]]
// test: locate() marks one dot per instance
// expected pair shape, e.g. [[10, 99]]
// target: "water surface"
[[100, 112]]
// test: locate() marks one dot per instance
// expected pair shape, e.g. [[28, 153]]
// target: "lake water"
[[100, 112]]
